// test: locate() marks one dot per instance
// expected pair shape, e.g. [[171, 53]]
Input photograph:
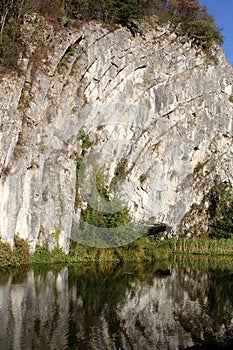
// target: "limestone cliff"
[[152, 108]]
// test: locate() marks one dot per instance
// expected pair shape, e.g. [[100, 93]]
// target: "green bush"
[[204, 32], [223, 216], [16, 257], [103, 219]]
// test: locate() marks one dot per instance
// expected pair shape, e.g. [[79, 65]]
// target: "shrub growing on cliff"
[[223, 215], [85, 138], [102, 219], [204, 32]]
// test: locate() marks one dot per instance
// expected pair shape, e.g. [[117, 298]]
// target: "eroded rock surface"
[[155, 100]]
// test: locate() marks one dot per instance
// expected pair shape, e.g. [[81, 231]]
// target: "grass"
[[141, 250], [203, 246], [145, 249], [16, 257]]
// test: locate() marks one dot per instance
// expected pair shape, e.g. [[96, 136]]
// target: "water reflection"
[[112, 307]]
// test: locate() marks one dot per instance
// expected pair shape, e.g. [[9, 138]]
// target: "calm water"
[[165, 306]]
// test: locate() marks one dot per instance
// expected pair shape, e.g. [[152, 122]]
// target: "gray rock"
[[155, 100]]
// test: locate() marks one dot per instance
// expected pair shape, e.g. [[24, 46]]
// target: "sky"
[[222, 10]]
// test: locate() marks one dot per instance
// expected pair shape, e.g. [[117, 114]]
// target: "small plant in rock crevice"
[[85, 138], [121, 172], [142, 178]]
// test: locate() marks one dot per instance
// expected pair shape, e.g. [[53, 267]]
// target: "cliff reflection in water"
[[108, 307]]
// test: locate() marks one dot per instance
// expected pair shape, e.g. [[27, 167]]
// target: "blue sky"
[[222, 10]]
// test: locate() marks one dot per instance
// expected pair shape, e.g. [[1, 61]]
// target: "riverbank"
[[145, 249]]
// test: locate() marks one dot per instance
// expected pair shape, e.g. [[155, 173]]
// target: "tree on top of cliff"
[[186, 9], [194, 19]]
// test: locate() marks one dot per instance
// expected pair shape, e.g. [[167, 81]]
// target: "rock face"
[[151, 110]]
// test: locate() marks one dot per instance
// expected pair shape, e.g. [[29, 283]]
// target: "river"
[[183, 304]]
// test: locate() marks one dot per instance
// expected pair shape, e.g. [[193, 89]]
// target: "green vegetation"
[[203, 31], [194, 19], [187, 16], [16, 257], [222, 223], [69, 53], [85, 138], [203, 246], [100, 185], [121, 169], [212, 58], [102, 219], [120, 173], [141, 250], [78, 199], [117, 215], [198, 168], [204, 262], [142, 178], [144, 249], [108, 11], [43, 255], [153, 247], [230, 99], [86, 144], [10, 46], [217, 209]]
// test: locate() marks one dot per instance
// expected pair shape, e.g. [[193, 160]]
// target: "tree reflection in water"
[[186, 305]]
